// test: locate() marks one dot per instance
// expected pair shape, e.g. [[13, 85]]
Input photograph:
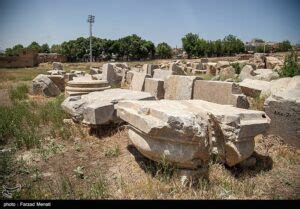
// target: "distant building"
[[51, 57], [25, 58]]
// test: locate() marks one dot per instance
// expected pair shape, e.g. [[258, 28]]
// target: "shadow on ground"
[[263, 164]]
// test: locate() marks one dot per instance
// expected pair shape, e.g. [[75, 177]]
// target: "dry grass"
[[111, 168]]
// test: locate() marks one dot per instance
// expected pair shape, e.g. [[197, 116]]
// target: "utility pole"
[[91, 19]]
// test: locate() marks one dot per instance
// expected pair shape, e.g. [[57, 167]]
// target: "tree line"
[[133, 47]]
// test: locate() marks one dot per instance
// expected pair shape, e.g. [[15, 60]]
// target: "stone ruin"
[[173, 112], [186, 132]]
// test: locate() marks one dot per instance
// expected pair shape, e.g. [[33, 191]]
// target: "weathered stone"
[[247, 72], [127, 79], [176, 69], [155, 87], [222, 64], [58, 80], [210, 68], [283, 107], [197, 66], [149, 69], [162, 74], [253, 88], [85, 86], [272, 62], [69, 76], [280, 85], [258, 61], [94, 71], [86, 77], [138, 81], [179, 87], [97, 76], [56, 72], [98, 108], [184, 132], [111, 74], [227, 72], [57, 66], [265, 74], [220, 92], [41, 84]]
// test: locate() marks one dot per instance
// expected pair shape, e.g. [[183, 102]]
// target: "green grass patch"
[[19, 93]]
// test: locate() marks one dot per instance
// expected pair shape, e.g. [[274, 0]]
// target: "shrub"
[[237, 67], [291, 67]]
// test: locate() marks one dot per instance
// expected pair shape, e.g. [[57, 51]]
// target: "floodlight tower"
[[91, 20]]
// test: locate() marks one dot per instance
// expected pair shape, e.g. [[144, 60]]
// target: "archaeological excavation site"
[[96, 118]]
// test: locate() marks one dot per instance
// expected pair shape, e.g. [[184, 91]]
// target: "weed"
[[99, 189], [113, 152], [258, 102], [79, 172]]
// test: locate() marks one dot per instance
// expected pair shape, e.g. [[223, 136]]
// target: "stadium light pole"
[[91, 20]]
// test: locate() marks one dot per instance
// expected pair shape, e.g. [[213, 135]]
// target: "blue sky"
[[55, 21]]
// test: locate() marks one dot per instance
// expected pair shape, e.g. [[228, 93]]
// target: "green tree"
[[56, 48], [189, 44], [45, 48], [163, 51], [284, 46], [232, 45], [14, 51], [35, 46]]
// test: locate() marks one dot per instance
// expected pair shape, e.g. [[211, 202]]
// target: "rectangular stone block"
[[138, 81], [155, 87], [220, 92], [162, 74], [179, 87]]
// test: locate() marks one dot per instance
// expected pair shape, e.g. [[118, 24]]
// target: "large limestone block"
[[97, 108], [185, 131], [220, 92], [162, 74], [109, 73], [179, 87], [58, 80], [138, 81], [272, 62], [176, 69], [227, 72], [149, 68], [253, 88], [283, 107], [155, 87], [265, 74], [246, 72], [41, 84]]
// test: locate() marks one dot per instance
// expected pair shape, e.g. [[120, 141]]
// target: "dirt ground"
[[85, 165]]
